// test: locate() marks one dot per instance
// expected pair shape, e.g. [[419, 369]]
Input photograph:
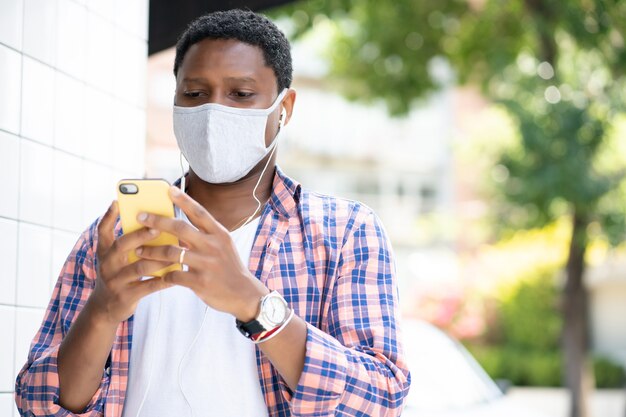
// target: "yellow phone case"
[[151, 196]]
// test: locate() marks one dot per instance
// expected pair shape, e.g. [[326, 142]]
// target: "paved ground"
[[553, 402]]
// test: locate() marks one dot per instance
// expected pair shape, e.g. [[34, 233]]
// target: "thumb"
[[106, 235]]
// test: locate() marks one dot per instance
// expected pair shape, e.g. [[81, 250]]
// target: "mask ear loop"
[[281, 123]]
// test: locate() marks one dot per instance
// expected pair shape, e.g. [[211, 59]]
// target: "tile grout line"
[[69, 153], [24, 307], [43, 226]]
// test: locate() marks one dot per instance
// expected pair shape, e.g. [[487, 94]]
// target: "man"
[[308, 328]]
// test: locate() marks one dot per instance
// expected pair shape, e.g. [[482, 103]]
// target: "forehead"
[[226, 57]]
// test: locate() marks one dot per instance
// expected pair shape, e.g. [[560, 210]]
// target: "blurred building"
[[399, 167]]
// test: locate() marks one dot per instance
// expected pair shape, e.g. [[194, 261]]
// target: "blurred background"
[[489, 136]]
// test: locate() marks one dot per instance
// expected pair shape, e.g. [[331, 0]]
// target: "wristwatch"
[[273, 312]]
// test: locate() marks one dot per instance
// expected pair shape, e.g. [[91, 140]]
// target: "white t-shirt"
[[190, 360]]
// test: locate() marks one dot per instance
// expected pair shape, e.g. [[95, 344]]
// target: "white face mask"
[[222, 144]]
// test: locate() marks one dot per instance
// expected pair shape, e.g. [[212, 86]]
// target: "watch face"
[[275, 310]]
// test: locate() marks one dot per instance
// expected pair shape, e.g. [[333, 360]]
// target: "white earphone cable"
[[274, 146], [182, 360], [182, 175], [152, 355]]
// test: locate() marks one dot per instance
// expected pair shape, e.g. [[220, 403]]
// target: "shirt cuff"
[[39, 389], [323, 377]]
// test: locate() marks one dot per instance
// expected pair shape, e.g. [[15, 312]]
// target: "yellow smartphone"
[[149, 196]]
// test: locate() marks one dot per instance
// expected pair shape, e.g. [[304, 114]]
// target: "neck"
[[233, 203]]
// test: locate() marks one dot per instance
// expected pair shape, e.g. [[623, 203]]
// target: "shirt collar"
[[285, 194]]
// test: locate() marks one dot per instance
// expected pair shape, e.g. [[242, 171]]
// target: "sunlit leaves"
[[556, 66]]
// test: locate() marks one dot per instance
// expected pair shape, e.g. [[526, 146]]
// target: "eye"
[[193, 94], [242, 94]]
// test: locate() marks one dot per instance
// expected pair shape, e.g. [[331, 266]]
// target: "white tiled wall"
[[69, 114], [8, 256], [37, 101], [10, 85], [34, 256], [11, 22], [40, 29], [7, 348], [72, 122], [6, 404], [9, 173], [35, 196]]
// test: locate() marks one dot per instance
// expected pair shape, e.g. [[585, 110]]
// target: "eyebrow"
[[242, 79], [249, 80]]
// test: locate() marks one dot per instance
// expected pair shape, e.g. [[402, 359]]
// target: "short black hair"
[[245, 26]]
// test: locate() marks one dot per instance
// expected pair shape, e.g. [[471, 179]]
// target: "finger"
[[183, 278], [133, 240], [197, 214], [179, 228], [141, 268], [161, 253], [170, 254], [149, 286], [106, 234]]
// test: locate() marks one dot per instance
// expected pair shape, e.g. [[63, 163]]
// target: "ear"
[[288, 103]]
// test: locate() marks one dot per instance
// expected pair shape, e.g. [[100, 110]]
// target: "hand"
[[216, 273], [118, 283]]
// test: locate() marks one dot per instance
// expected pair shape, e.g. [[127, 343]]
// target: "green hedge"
[[537, 368], [608, 374], [522, 345], [522, 368], [529, 316]]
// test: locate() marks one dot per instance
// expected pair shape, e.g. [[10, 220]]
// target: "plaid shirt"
[[331, 261]]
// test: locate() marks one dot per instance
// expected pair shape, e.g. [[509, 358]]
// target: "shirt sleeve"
[[37, 384], [355, 364]]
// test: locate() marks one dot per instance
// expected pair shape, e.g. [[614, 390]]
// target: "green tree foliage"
[[558, 69], [382, 48]]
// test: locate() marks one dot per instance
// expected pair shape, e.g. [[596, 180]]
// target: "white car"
[[446, 381]]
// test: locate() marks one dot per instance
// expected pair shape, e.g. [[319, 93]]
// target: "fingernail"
[[138, 251], [153, 232], [142, 217], [175, 191]]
